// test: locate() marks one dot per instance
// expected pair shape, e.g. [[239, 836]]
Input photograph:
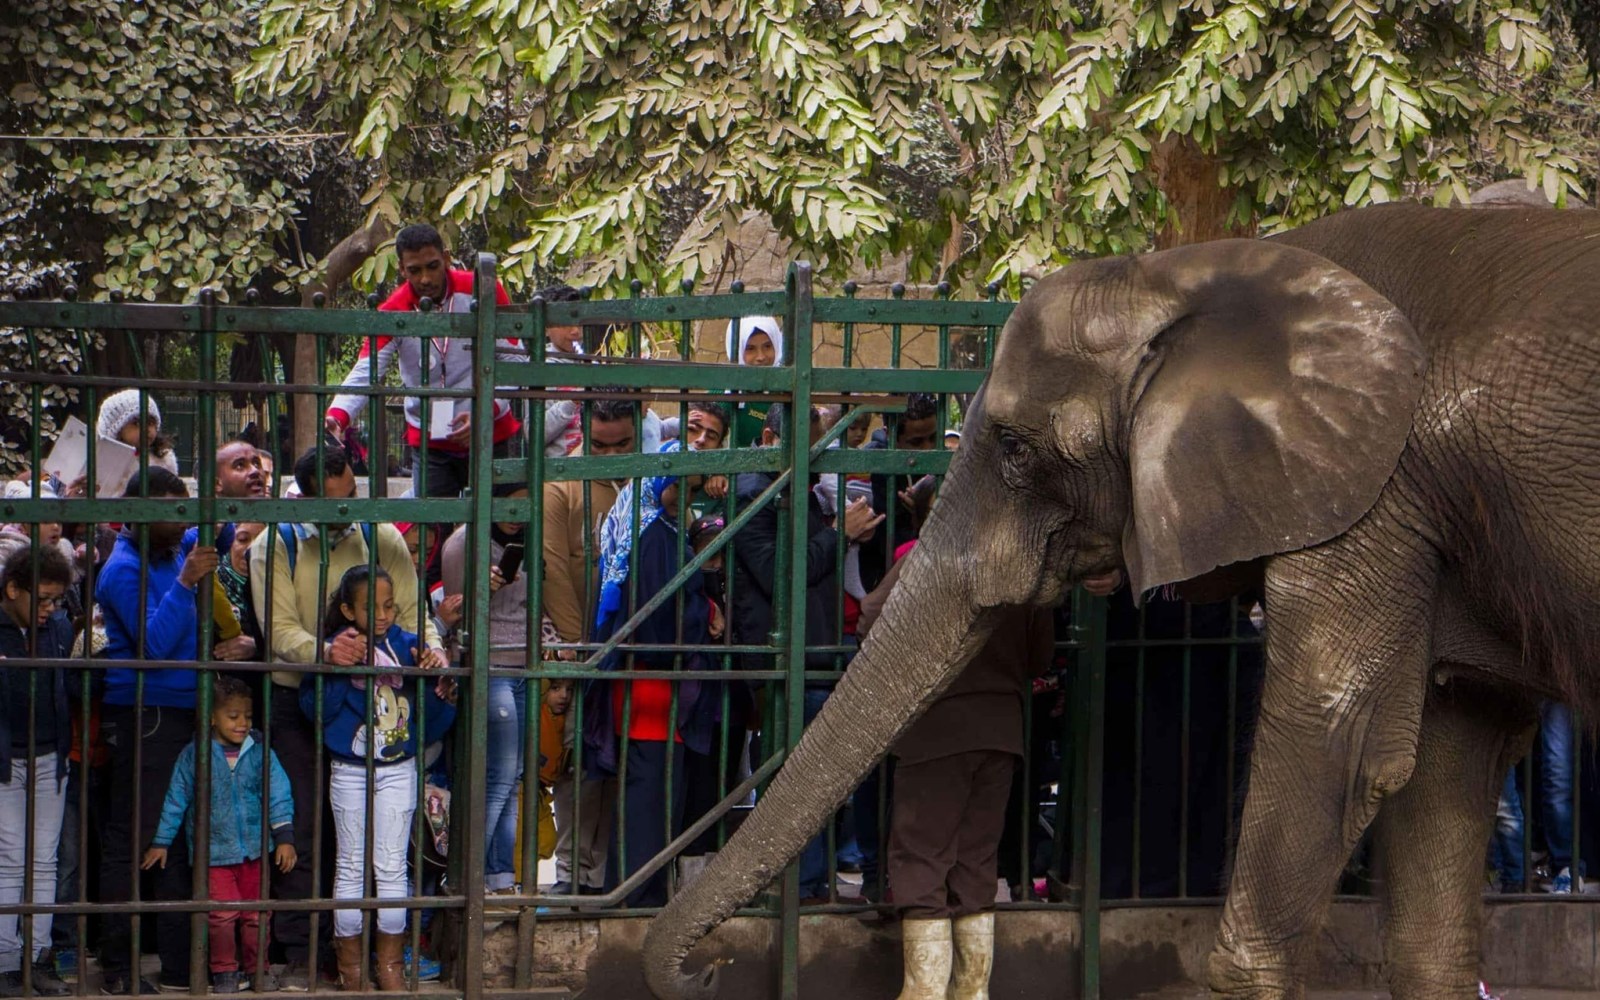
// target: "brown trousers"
[[944, 835]]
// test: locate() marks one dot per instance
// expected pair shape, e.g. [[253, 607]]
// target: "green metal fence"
[[774, 668]]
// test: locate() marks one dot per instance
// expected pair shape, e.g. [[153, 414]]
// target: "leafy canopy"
[[591, 122], [154, 218]]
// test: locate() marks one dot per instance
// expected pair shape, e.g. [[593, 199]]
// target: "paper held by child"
[[115, 462]]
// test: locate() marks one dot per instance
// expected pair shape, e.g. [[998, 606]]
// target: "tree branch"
[[337, 267]]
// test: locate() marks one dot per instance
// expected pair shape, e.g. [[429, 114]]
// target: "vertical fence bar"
[[471, 979], [533, 657], [799, 446], [199, 980], [1089, 619]]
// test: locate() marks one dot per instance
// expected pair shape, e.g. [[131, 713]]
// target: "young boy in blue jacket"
[[240, 765]]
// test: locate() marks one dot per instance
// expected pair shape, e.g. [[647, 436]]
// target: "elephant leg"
[[1431, 837], [1348, 638]]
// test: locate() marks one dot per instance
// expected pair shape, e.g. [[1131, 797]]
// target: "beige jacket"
[[298, 600], [569, 589]]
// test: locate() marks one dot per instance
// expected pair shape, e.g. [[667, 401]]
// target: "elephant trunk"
[[928, 632]]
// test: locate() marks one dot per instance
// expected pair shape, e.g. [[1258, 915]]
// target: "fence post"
[[478, 641], [205, 487], [797, 427], [1089, 621]]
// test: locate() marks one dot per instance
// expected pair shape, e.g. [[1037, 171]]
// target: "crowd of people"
[[327, 675], [323, 657]]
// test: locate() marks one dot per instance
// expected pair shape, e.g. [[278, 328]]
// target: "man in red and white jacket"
[[426, 267]]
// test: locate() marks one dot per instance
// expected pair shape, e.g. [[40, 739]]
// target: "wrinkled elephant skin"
[[1390, 419]]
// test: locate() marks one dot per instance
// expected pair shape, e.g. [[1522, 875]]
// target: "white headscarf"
[[746, 326]]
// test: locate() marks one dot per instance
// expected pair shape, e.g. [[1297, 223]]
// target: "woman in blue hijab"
[[644, 562]]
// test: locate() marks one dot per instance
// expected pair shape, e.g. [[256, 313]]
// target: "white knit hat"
[[121, 409]]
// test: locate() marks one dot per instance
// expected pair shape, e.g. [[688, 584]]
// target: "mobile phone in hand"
[[511, 561]]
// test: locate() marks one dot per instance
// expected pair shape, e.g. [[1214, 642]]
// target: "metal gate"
[[651, 360]]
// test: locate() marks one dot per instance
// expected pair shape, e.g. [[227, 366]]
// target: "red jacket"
[[450, 363]]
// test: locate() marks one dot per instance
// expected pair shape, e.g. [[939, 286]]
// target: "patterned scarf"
[[616, 538]]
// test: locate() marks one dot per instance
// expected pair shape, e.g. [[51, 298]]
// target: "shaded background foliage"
[[604, 140]]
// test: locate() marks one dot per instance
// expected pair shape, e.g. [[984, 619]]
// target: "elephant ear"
[[1268, 408]]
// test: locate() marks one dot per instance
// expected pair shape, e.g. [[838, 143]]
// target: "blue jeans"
[[504, 766], [1505, 849], [878, 783], [814, 859], [1555, 749]]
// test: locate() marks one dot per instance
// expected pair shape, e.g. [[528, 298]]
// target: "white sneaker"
[[1564, 884]]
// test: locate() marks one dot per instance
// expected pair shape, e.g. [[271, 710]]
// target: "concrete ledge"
[[1544, 944]]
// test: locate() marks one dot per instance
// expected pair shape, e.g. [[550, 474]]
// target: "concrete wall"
[[1548, 944]]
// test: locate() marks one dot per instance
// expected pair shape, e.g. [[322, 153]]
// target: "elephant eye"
[[1011, 445]]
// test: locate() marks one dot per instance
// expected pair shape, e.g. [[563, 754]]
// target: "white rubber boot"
[[927, 958], [974, 956]]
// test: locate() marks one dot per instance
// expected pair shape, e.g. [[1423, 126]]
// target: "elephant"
[[1388, 420]]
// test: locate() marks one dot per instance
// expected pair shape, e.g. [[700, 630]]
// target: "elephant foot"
[[1439, 986], [1230, 979]]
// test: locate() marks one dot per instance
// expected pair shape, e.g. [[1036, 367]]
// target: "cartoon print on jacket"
[[391, 712]]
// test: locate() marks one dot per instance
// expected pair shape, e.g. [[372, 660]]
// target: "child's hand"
[[284, 857], [446, 689], [429, 658], [154, 857], [450, 610], [716, 621], [715, 487]]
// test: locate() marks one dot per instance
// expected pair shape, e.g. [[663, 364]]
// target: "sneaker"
[[66, 962], [265, 983], [428, 970], [1483, 992], [296, 976], [226, 982], [1562, 884], [120, 985], [172, 984], [560, 889], [45, 983]]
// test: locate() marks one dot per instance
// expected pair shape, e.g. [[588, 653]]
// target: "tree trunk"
[[337, 267], [1198, 202]]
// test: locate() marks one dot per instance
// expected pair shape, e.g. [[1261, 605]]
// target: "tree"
[[30, 270], [147, 174], [127, 171], [1078, 128]]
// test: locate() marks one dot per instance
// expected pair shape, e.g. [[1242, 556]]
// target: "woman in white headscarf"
[[756, 341]]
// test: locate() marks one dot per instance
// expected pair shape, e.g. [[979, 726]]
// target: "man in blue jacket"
[[149, 601]]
